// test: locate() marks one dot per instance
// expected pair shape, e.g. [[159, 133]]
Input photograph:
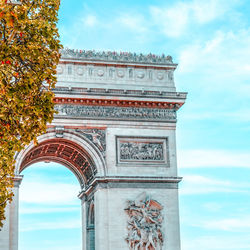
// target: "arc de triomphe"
[[115, 130]]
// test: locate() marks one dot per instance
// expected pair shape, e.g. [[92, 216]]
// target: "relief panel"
[[144, 223], [116, 113], [142, 150]]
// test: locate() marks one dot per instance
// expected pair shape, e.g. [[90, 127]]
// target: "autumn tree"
[[29, 54]]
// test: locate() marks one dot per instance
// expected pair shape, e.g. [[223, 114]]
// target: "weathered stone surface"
[[115, 130]]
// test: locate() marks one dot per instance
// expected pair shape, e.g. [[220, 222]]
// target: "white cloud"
[[226, 53], [206, 11], [90, 21], [54, 225], [212, 206], [198, 158], [240, 114], [136, 23], [174, 21], [171, 21], [42, 192], [217, 242], [42, 210], [197, 184], [240, 224]]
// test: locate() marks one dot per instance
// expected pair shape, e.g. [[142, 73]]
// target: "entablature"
[[112, 70]]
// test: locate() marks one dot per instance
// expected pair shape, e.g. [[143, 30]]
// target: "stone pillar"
[[84, 224], [4, 233], [9, 233], [14, 210], [88, 220], [111, 219], [102, 219]]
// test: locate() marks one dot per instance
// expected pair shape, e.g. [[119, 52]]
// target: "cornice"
[[118, 103], [119, 92], [107, 181]]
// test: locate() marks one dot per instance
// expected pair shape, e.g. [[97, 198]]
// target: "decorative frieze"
[[115, 113], [144, 223], [109, 72], [116, 75], [142, 150], [115, 56]]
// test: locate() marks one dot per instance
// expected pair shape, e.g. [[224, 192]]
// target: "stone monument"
[[115, 130]]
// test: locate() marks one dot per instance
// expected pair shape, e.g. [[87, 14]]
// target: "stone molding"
[[17, 180], [115, 113], [120, 92], [118, 103], [144, 182]]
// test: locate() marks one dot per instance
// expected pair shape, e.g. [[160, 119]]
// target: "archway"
[[75, 152], [49, 209], [115, 130], [66, 152], [70, 149]]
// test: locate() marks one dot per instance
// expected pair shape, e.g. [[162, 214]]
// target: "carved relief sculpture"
[[144, 224], [97, 136], [142, 150], [114, 56], [115, 112]]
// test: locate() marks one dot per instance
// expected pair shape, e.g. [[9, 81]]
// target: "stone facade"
[[115, 129]]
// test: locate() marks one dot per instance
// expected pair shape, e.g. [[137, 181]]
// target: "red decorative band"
[[117, 103]]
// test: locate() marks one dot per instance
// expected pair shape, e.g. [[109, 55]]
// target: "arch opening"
[[49, 208]]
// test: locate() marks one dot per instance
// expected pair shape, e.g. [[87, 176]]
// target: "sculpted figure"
[[95, 137], [144, 224]]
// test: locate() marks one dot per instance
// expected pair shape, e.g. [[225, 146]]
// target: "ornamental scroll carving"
[[144, 223]]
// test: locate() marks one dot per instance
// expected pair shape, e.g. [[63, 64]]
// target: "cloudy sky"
[[210, 40]]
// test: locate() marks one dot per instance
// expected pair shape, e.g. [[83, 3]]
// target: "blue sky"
[[210, 40]]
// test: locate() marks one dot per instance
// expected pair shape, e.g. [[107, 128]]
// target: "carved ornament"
[[118, 103], [115, 113], [144, 223], [142, 150], [97, 136], [64, 152], [115, 56]]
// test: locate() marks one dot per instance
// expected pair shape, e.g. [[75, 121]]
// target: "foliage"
[[29, 54]]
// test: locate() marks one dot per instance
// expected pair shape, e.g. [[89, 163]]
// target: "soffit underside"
[[65, 152]]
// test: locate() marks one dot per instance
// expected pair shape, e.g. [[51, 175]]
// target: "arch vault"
[[115, 130]]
